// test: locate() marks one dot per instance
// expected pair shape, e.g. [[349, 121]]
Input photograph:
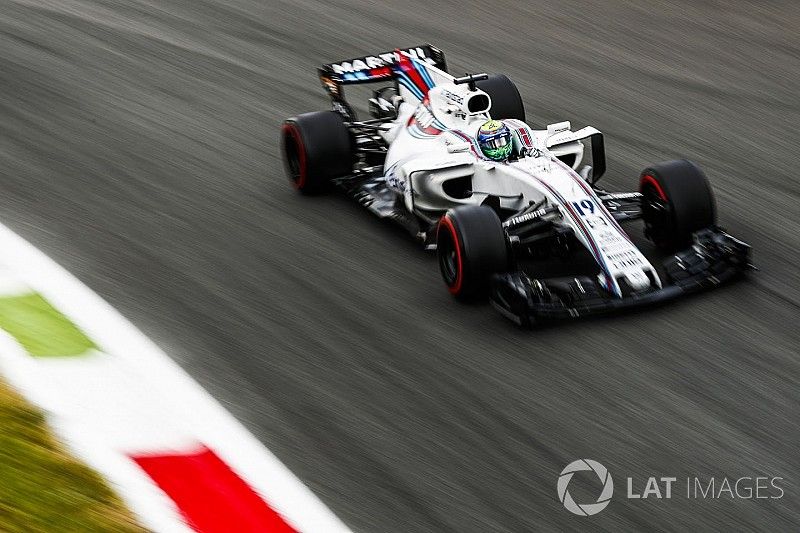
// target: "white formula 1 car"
[[428, 159]]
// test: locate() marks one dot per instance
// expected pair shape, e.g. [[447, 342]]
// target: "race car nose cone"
[[637, 280]]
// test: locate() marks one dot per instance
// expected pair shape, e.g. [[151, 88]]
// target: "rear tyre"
[[506, 101], [317, 147], [471, 246], [677, 201]]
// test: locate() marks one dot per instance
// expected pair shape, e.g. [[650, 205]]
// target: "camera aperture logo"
[[585, 509]]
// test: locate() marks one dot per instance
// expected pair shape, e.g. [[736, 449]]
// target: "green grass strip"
[[42, 488], [40, 328]]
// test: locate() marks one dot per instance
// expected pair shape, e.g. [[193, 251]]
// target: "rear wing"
[[376, 68]]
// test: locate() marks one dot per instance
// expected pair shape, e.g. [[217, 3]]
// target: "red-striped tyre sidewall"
[[301, 178], [446, 224]]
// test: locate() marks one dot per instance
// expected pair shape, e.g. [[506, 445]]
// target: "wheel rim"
[[448, 264]]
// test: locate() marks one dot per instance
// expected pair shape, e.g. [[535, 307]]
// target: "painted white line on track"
[[201, 417]]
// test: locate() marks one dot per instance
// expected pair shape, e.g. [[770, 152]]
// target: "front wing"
[[714, 258]]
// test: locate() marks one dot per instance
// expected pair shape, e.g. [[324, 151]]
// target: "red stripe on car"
[[407, 66]]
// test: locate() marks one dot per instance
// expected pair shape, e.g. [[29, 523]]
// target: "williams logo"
[[585, 509]]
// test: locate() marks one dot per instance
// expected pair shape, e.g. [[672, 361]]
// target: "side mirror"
[[560, 134], [558, 127], [586, 173]]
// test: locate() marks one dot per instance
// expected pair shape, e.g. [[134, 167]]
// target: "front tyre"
[[677, 201], [317, 147], [471, 246]]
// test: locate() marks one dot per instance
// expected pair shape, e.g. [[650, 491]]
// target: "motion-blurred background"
[[138, 147]]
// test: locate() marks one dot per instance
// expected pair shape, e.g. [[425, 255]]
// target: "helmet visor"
[[497, 142]]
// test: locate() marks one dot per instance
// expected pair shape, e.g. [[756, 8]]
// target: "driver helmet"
[[494, 138]]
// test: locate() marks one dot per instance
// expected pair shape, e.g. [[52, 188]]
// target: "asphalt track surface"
[[138, 147]]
